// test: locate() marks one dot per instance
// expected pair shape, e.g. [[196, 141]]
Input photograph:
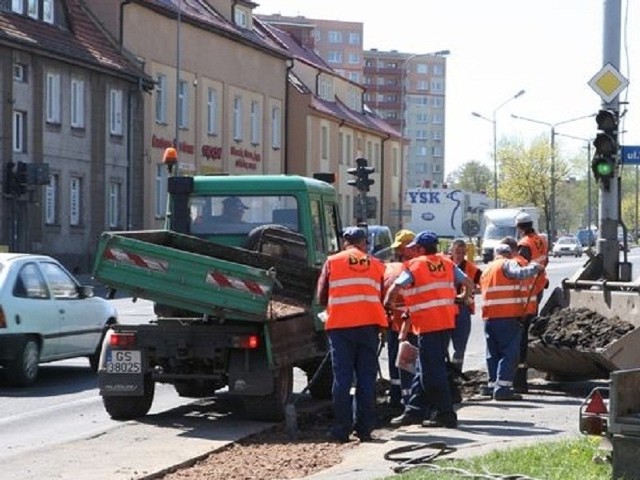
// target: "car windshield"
[[238, 215], [497, 232], [566, 240]]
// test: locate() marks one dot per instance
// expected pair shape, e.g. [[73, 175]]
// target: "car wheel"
[[23, 370]]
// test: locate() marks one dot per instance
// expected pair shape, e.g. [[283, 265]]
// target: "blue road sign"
[[631, 154]]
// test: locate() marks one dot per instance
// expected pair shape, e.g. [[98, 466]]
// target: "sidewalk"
[[545, 414]]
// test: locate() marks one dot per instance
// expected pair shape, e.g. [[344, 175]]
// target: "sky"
[[549, 48]]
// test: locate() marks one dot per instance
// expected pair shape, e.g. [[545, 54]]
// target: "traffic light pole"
[[608, 208]]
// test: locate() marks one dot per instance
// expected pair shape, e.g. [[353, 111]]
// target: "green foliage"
[[560, 460], [473, 176]]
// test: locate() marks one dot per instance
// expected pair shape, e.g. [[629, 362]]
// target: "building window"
[[212, 111], [353, 76], [437, 135], [334, 57], [47, 11], [422, 85], [334, 37], [422, 118], [348, 152], [354, 58], [437, 86], [421, 151], [354, 38], [75, 193], [113, 206], [324, 143], [160, 200], [19, 72], [422, 68], [17, 6], [237, 117], [275, 127], [437, 118], [18, 131], [256, 120], [161, 98], [32, 8], [183, 105], [53, 98], [436, 152], [241, 18], [438, 70], [437, 102], [376, 156], [77, 103], [115, 112], [422, 135], [340, 148], [51, 201]]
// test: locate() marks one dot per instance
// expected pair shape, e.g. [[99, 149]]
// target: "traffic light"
[[605, 158], [21, 179], [362, 181], [9, 178]]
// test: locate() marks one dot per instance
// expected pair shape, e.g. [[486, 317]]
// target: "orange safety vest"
[[431, 299], [355, 280], [391, 273], [502, 297], [539, 254], [470, 270], [531, 299]]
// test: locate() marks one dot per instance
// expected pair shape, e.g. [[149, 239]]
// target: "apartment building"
[[220, 88], [69, 131], [408, 91], [338, 43]]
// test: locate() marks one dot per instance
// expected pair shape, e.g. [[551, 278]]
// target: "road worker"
[[503, 299], [400, 379], [460, 335], [532, 247], [430, 280], [350, 285]]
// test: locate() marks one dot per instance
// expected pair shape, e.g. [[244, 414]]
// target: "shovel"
[[290, 414]]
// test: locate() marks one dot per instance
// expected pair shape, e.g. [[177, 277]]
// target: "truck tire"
[[270, 408], [123, 407], [195, 388], [23, 369]]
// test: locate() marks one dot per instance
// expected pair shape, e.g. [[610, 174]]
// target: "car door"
[[80, 323], [31, 309]]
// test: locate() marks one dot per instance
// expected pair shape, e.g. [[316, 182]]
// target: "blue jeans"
[[503, 337], [354, 355], [430, 387], [400, 389], [460, 335]]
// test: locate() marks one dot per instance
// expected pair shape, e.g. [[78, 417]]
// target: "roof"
[[258, 184], [83, 42]]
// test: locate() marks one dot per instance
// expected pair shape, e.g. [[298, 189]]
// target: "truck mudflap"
[[609, 299]]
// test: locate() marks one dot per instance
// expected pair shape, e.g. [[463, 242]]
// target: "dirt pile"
[[577, 328]]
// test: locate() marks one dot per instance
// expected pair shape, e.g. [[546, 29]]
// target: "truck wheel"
[[124, 407], [195, 388], [23, 369], [321, 388], [270, 408], [94, 359]]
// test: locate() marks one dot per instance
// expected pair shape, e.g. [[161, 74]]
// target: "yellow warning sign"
[[608, 83]]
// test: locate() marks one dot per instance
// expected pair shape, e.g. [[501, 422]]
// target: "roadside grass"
[[575, 459]]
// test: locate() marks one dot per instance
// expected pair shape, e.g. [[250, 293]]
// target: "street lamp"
[[492, 120], [552, 210], [588, 148], [403, 107]]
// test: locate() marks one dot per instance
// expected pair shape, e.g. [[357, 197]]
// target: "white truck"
[[500, 223], [449, 213]]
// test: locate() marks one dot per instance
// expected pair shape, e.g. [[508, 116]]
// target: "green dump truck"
[[233, 294]]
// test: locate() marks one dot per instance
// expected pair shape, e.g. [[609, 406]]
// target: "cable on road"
[[406, 463]]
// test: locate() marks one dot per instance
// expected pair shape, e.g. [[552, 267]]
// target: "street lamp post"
[[493, 121], [403, 107], [552, 126]]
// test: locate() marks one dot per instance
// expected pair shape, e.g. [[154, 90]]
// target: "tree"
[[473, 176]]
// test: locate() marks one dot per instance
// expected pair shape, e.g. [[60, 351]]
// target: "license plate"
[[124, 361]]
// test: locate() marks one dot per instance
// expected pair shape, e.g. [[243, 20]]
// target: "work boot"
[[404, 420], [442, 420], [507, 396], [520, 381], [486, 391]]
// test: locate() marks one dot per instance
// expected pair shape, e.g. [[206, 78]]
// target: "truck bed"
[[200, 276]]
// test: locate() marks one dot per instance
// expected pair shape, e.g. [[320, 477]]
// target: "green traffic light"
[[604, 169]]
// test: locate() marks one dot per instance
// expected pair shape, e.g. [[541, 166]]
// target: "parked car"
[[567, 245], [46, 315]]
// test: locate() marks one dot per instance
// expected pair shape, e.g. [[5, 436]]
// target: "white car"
[[46, 315], [567, 245]]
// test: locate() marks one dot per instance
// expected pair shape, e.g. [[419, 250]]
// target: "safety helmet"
[[522, 218]]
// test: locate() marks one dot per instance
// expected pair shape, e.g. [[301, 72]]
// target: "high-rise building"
[[408, 91]]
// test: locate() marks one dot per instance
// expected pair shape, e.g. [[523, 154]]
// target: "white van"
[[500, 223]]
